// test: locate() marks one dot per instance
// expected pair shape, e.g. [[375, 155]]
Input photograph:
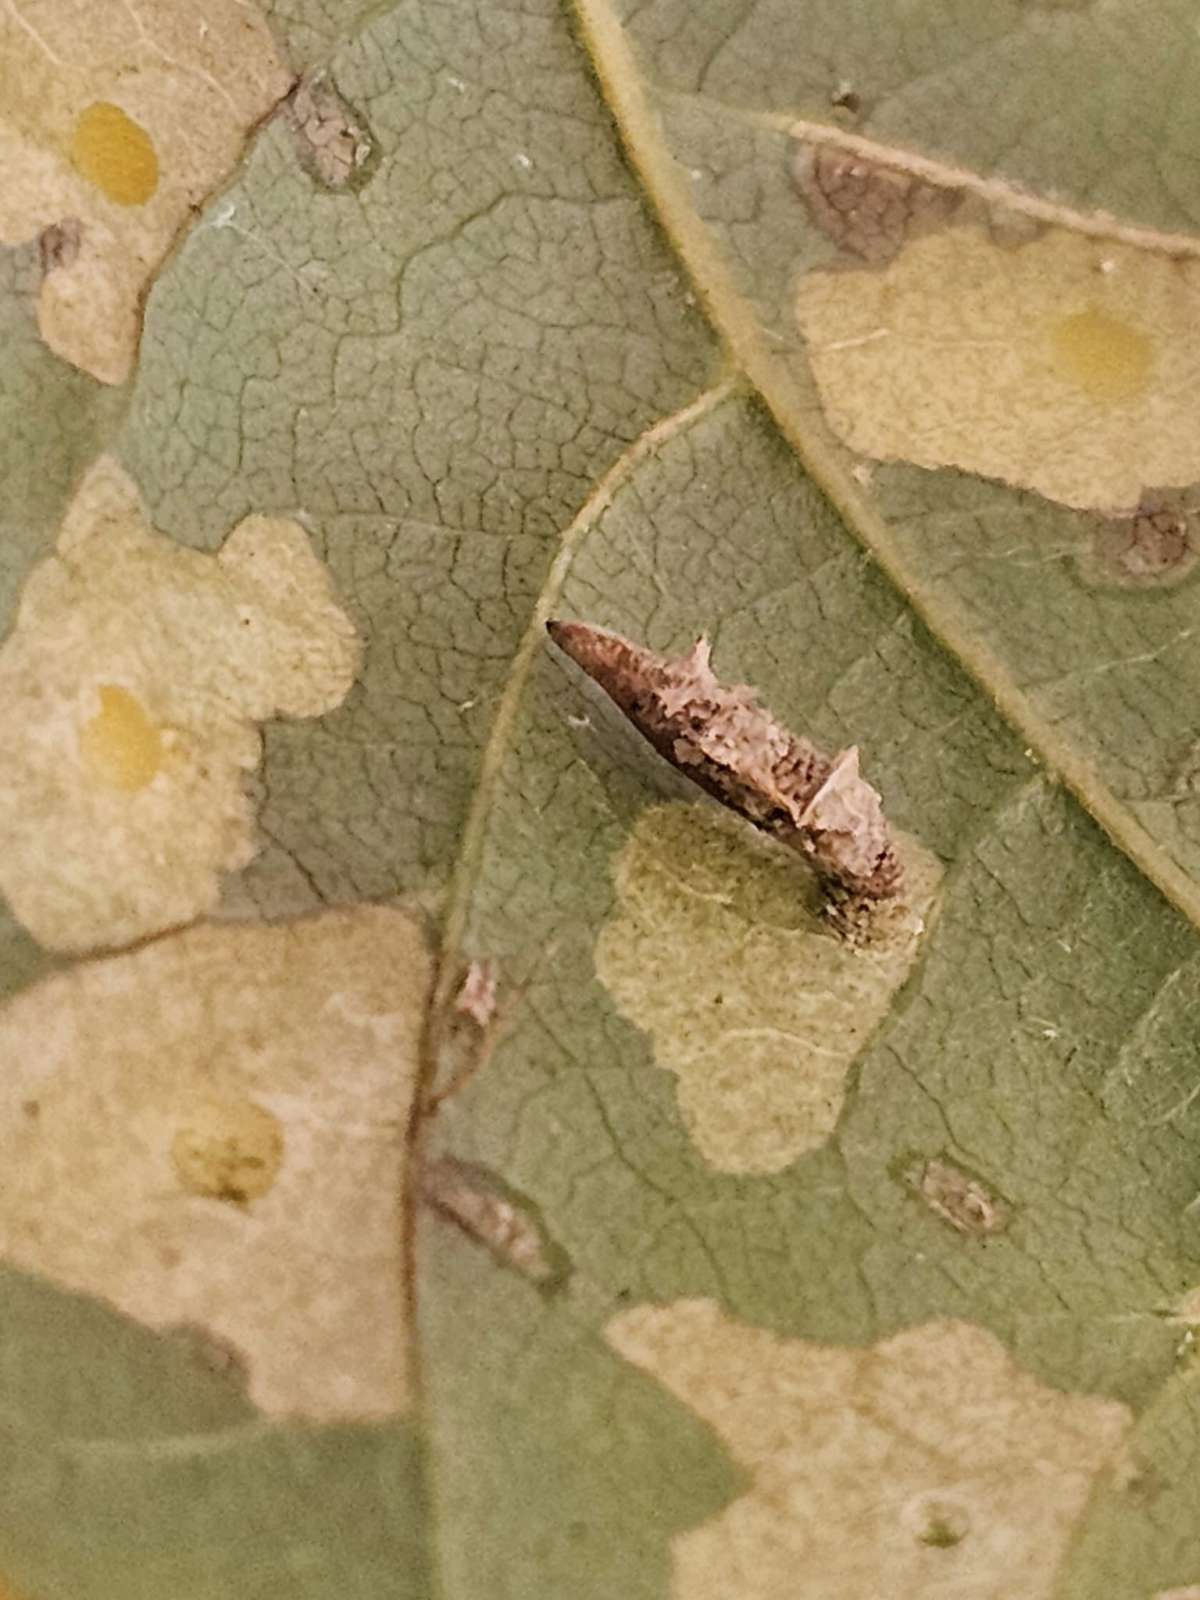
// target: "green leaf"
[[705, 1256]]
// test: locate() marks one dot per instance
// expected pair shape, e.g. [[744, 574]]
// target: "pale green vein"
[[734, 319]]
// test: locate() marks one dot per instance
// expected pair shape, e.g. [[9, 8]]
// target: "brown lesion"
[[484, 1208], [59, 244], [1153, 546], [866, 208], [958, 1198], [726, 742], [332, 141], [465, 1029]]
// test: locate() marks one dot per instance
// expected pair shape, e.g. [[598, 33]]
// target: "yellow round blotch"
[[228, 1150], [1107, 359], [115, 153], [121, 746]]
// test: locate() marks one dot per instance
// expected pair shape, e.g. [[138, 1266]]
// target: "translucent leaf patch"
[[717, 948]]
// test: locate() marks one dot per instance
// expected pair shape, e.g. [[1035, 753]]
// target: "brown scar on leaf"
[[721, 738], [331, 142], [845, 97], [476, 997], [865, 208], [957, 1198], [59, 244], [488, 1212], [1155, 545], [468, 1030]]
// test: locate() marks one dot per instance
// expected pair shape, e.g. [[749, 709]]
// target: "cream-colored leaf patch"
[[210, 1130], [117, 120], [1187, 1309], [129, 693], [928, 1467], [716, 947], [1070, 365]]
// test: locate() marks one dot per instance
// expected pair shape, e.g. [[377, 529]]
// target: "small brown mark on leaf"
[[59, 244], [1153, 547], [845, 97], [957, 1198], [333, 144], [721, 738], [468, 1028], [937, 1520], [867, 209], [485, 1210]]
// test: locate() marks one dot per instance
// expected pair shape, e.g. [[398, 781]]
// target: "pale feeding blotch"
[[130, 692]]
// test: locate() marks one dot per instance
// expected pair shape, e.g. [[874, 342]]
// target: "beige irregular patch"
[[1187, 1309], [716, 947], [928, 1466], [1070, 365], [211, 1130], [117, 120], [129, 692]]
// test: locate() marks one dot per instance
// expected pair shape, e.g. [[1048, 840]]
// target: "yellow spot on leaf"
[[115, 153], [717, 949], [228, 1150], [120, 744], [927, 1466], [1069, 365], [271, 1068], [1105, 357], [95, 853]]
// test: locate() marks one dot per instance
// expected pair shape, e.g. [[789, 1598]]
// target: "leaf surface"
[[844, 341]]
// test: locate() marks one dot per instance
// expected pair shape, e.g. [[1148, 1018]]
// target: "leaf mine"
[[130, 690], [219, 1141], [717, 949], [927, 1465], [1069, 365]]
